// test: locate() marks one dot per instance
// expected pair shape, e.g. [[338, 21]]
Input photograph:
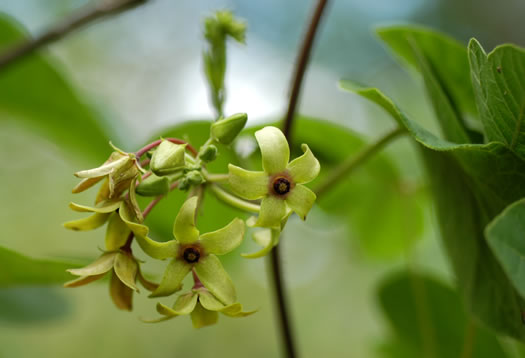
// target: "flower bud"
[[226, 130], [168, 158], [153, 186], [209, 154]]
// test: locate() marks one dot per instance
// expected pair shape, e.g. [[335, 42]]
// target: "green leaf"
[[505, 235], [35, 93], [500, 95], [471, 183], [18, 269], [428, 320]]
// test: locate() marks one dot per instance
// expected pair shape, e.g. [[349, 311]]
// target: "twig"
[[352, 163], [275, 257], [76, 20]]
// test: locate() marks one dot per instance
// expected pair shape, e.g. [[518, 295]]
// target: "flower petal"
[[184, 304], [208, 301], [268, 239], [83, 280], [248, 184], [305, 168], [117, 233], [104, 169], [274, 147], [100, 266], [273, 210], [103, 192], [213, 276], [85, 184], [235, 311], [184, 228], [224, 240], [127, 214], [158, 250], [126, 269], [121, 294], [172, 279], [201, 317], [103, 207], [90, 223], [301, 199], [147, 284]]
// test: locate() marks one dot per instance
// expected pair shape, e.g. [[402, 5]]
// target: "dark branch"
[[76, 20]]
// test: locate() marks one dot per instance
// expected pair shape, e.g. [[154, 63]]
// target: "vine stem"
[[352, 163], [275, 256], [81, 17]]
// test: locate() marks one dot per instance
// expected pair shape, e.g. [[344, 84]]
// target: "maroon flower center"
[[191, 255], [281, 186]]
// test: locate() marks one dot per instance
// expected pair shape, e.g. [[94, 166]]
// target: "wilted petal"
[[305, 168], [121, 294], [100, 266], [224, 240], [301, 199], [103, 192], [127, 214], [274, 147], [213, 276], [117, 233], [104, 169], [86, 184], [184, 228], [273, 210], [90, 223], [103, 207], [247, 184], [126, 269], [172, 279], [84, 280], [201, 317]]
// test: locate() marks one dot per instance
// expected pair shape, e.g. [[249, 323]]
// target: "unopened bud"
[[168, 158], [226, 130], [209, 154]]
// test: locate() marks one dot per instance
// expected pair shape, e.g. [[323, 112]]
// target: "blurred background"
[[141, 72]]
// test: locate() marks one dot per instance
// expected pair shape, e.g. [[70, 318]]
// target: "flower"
[[191, 251], [125, 270], [279, 185], [203, 307]]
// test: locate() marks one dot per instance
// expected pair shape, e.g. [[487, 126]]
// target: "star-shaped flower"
[[124, 269], [203, 307], [279, 185], [191, 251]]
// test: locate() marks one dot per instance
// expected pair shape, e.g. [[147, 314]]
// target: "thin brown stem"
[[275, 257], [81, 17]]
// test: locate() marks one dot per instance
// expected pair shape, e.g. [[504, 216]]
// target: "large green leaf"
[[377, 187], [17, 270], [445, 57], [471, 183], [500, 93], [506, 237], [428, 320], [34, 92]]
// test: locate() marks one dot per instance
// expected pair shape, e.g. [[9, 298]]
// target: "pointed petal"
[[103, 208], [172, 279], [208, 301], [100, 266], [127, 214], [273, 210], [147, 284], [133, 200], [268, 239], [103, 170], [126, 269], [248, 184], [184, 228], [90, 223], [185, 304], [83, 280], [157, 320], [103, 192], [301, 199], [158, 250], [85, 184], [274, 149], [121, 294], [305, 168], [117, 233], [235, 311], [201, 317], [213, 276], [224, 240]]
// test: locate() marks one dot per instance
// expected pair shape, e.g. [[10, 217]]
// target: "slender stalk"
[[275, 257], [81, 17], [232, 200], [352, 163]]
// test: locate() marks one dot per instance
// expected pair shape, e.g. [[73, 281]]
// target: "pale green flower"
[[203, 307], [280, 184]]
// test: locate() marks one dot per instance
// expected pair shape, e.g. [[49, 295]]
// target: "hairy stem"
[[76, 20], [275, 257], [352, 163]]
